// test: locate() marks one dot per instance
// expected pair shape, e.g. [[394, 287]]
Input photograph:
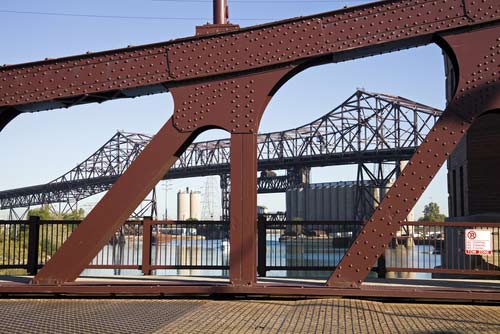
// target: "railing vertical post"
[[261, 246], [381, 267], [146, 245], [33, 236]]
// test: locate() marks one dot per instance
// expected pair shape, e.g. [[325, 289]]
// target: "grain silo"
[[183, 205], [195, 205], [328, 201]]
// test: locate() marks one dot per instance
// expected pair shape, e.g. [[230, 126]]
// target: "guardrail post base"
[[146, 245], [261, 246], [33, 237], [382, 269]]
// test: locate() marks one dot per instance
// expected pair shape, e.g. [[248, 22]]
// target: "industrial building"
[[473, 183], [331, 201], [474, 188], [188, 205]]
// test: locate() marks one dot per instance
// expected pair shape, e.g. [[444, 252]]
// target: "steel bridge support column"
[[236, 105], [477, 92], [243, 230], [220, 11], [225, 187], [372, 186], [147, 208], [115, 207], [298, 176]]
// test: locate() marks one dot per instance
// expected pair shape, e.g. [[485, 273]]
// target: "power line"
[[128, 17]]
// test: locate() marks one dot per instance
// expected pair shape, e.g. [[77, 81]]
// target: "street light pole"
[[166, 186]]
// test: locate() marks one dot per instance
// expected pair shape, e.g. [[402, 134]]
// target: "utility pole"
[[167, 187]]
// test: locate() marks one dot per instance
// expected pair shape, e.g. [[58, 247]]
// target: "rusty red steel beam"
[[190, 288], [243, 227], [243, 111], [227, 84], [328, 37], [476, 54], [114, 208]]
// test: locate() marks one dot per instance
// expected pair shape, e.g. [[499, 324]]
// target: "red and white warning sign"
[[478, 242]]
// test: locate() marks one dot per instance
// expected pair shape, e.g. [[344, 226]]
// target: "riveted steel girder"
[[328, 37], [226, 80], [475, 54]]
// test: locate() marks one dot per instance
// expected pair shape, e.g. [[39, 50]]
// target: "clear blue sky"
[[36, 148]]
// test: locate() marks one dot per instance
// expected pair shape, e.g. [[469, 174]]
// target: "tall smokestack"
[[220, 12], [221, 24]]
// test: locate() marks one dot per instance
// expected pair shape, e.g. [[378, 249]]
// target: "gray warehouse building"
[[332, 201]]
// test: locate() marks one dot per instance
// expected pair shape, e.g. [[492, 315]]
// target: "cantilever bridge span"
[[224, 78], [366, 128]]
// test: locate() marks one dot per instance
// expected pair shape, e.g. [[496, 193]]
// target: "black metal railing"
[[304, 245], [14, 244], [164, 245], [190, 245], [285, 248], [138, 245], [440, 248]]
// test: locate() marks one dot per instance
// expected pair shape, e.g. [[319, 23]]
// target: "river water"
[[279, 254]]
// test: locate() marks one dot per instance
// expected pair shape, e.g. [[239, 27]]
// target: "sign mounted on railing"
[[478, 242]]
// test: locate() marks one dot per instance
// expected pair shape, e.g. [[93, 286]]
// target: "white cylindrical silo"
[[183, 205], [195, 205]]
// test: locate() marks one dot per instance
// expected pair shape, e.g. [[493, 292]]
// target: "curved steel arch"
[[327, 37]]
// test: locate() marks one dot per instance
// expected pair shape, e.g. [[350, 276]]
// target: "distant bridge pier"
[[147, 208], [267, 183], [225, 187], [372, 183]]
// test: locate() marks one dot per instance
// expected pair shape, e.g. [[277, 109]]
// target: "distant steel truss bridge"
[[368, 128]]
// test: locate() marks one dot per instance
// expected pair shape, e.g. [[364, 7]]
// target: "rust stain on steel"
[[478, 91]]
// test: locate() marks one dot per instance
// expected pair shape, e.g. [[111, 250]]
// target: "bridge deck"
[[242, 316], [183, 285]]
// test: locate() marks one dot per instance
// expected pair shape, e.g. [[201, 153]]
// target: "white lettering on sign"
[[478, 242]]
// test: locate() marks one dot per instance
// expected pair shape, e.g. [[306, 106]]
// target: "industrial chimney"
[[220, 22], [220, 12]]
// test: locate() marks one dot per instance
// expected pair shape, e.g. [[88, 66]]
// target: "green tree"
[[45, 213], [432, 213], [74, 215]]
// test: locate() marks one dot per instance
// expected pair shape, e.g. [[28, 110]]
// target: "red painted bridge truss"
[[225, 80]]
